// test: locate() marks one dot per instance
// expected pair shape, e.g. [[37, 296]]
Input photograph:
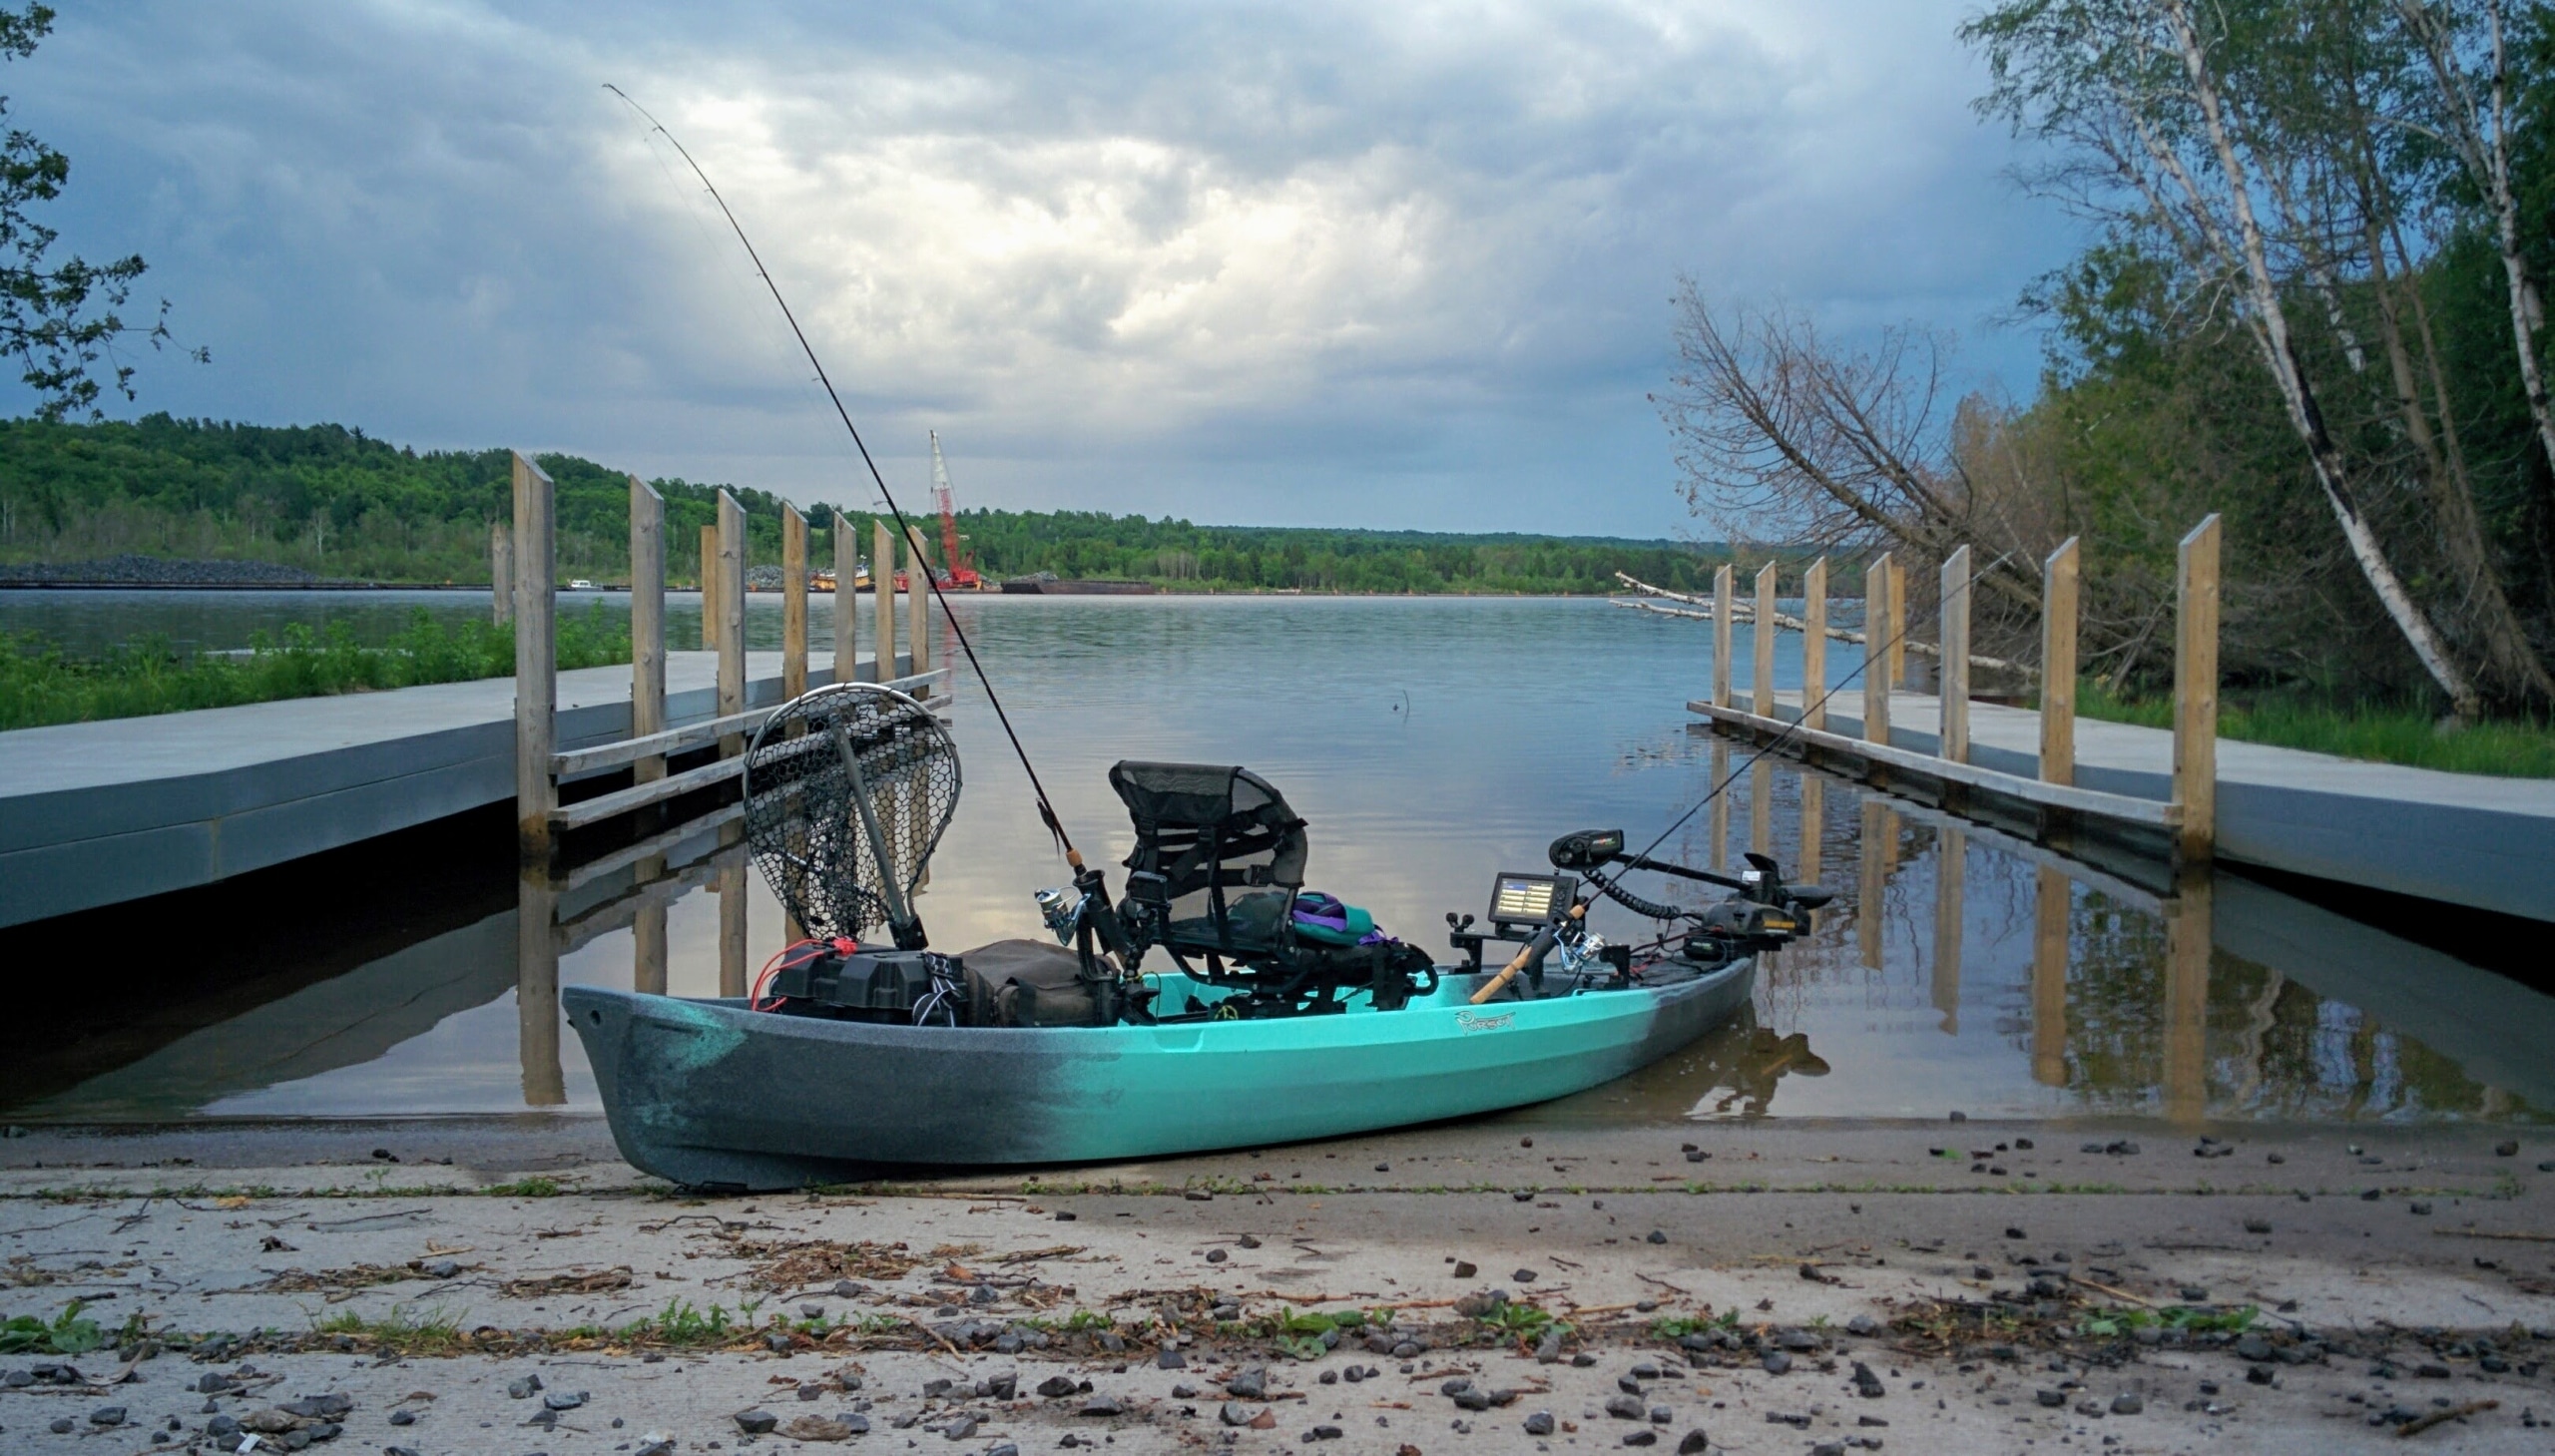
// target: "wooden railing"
[[526, 574], [2187, 818]]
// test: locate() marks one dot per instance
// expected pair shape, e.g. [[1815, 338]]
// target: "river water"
[[1428, 742]]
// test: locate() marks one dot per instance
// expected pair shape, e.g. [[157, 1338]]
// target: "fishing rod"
[[883, 581], [1770, 745]]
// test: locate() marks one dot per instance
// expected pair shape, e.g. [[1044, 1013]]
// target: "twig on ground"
[[2439, 1417]]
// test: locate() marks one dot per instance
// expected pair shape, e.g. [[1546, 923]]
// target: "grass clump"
[[2378, 734], [2178, 1316], [40, 683], [535, 1186], [436, 1333], [678, 1323]]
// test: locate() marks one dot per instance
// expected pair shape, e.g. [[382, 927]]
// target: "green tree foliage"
[[346, 505]]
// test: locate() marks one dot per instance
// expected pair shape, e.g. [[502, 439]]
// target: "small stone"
[[2431, 1372], [107, 1415], [2257, 1226], [2419, 1210], [565, 1399], [756, 1422], [1065, 1217], [403, 1417], [2259, 1375], [1104, 1405], [1694, 1443], [1171, 1359], [1464, 1270], [1959, 1116], [1696, 1155], [1527, 1277], [1658, 1236], [1234, 1413], [2506, 1149], [1863, 1326], [820, 1428], [1641, 1438], [61, 1427], [1056, 1387], [960, 1429], [1627, 1408], [2052, 1399], [1215, 1255], [2016, 1234], [2126, 1403], [1661, 1415], [1251, 1384], [523, 1387], [1777, 1362]]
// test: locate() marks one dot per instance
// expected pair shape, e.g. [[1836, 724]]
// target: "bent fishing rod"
[[884, 581]]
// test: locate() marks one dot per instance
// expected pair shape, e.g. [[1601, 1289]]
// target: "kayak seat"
[[1216, 878]]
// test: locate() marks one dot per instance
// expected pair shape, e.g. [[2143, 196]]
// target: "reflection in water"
[[1956, 968]]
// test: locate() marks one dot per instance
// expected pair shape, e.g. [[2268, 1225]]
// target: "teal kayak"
[[714, 1093]]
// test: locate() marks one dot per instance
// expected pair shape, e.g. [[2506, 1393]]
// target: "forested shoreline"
[[331, 500], [2320, 231]]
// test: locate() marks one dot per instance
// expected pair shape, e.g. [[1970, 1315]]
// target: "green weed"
[[67, 1334], [437, 1334]]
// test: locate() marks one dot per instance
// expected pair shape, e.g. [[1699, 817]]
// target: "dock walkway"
[[97, 813], [2458, 838]]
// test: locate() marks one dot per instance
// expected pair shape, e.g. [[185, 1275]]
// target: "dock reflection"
[[1958, 968]]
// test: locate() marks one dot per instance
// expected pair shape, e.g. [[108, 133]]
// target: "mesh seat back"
[[1230, 852]]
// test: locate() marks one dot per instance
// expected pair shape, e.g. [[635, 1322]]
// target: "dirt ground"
[[1802, 1289]]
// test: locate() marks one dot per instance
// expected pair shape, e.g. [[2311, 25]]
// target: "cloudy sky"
[[1301, 264]]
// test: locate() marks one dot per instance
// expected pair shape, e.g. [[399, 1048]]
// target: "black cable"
[[885, 581], [1789, 729]]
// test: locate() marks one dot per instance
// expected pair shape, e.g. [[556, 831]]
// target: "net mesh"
[[803, 823]]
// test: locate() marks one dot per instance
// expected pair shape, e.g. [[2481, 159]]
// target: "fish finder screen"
[[1535, 898]]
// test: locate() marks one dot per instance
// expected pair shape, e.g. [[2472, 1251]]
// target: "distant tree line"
[[338, 502]]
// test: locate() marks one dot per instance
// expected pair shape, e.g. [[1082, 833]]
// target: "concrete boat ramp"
[[2454, 838], [98, 813]]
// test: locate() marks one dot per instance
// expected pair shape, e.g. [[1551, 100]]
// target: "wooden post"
[[793, 603], [709, 587], [1719, 830], [1761, 805], [2196, 691], [1877, 617], [1898, 620], [1762, 637], [731, 557], [1952, 876], [2188, 934], [501, 572], [1952, 675], [648, 937], [846, 601], [2051, 907], [1814, 646], [537, 989], [731, 917], [1721, 608], [536, 660], [1872, 877], [883, 580], [1814, 825], [918, 605], [647, 624], [2058, 613]]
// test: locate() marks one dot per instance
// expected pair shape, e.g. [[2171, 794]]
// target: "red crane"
[[959, 573]]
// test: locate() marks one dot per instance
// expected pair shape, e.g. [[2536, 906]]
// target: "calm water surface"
[[1428, 744]]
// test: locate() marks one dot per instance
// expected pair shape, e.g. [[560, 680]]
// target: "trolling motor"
[[1764, 914], [1546, 913]]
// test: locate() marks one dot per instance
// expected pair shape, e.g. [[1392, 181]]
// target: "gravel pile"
[[153, 571]]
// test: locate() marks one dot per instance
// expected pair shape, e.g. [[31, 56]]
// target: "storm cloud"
[[1301, 264]]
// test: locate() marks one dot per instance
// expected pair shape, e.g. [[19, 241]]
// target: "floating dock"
[[98, 813], [2455, 838]]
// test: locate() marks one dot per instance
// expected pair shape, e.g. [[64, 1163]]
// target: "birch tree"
[[2133, 90]]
